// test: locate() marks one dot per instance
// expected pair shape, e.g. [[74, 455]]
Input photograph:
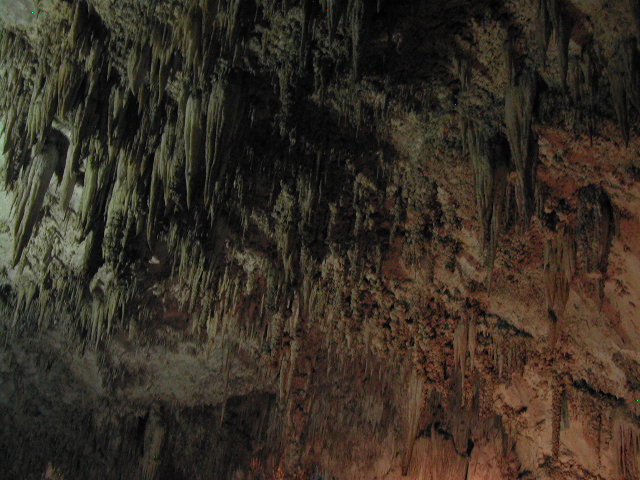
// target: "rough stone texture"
[[314, 239]]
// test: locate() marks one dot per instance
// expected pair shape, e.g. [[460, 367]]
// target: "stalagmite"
[[28, 207]]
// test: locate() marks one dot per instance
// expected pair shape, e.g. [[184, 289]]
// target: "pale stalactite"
[[138, 66], [69, 175], [224, 111], [35, 179]]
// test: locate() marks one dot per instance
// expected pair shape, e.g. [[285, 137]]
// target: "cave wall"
[[320, 239]]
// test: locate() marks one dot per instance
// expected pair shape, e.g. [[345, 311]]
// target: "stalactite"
[[631, 64], [626, 447], [583, 86], [69, 82], [356, 22], [624, 81], [193, 145], [543, 28], [305, 34], [231, 24], [635, 11], [224, 113], [192, 37], [553, 18], [556, 418], [138, 66], [35, 183], [595, 228], [78, 24], [519, 102], [121, 212], [566, 421], [559, 267], [154, 439], [97, 183], [41, 112], [68, 181], [619, 97], [416, 400], [161, 55], [335, 11], [489, 156]]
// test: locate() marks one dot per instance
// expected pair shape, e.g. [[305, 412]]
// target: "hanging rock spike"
[[193, 144], [35, 179], [519, 100]]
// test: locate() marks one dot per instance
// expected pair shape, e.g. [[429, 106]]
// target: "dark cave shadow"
[[415, 40]]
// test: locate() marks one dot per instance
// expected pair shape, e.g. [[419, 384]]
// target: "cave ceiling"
[[320, 239]]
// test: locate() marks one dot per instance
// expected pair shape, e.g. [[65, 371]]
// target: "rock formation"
[[319, 239]]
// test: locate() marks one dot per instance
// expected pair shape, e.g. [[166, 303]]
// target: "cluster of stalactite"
[[162, 136], [273, 229], [622, 66], [493, 160], [626, 440]]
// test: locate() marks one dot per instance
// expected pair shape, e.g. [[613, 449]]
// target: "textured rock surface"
[[320, 239]]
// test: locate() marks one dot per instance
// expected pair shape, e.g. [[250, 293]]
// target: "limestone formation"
[[319, 239]]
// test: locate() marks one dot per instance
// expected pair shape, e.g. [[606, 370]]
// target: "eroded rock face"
[[347, 239]]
